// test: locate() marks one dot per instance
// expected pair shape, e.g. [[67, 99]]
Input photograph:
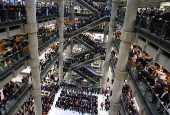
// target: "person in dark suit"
[[166, 14], [164, 95]]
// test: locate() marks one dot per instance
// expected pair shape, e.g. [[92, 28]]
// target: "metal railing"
[[157, 31], [91, 3], [18, 59], [83, 42], [89, 7], [14, 99], [19, 94], [146, 104], [86, 77], [86, 26], [147, 91], [46, 42], [86, 61]]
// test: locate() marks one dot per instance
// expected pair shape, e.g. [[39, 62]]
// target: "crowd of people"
[[49, 88], [9, 93], [80, 89], [147, 72], [48, 57], [159, 20], [95, 5], [87, 39], [18, 11], [83, 103], [85, 21], [128, 100], [12, 54], [15, 50], [10, 11], [27, 108]]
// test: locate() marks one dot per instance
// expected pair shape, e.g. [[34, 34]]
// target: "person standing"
[[101, 105]]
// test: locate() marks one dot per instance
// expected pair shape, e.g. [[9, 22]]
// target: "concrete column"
[[126, 39], [43, 23], [7, 32], [31, 29], [105, 32], [61, 39], [160, 51], [101, 64], [109, 4], [147, 43], [22, 28], [109, 43], [72, 12]]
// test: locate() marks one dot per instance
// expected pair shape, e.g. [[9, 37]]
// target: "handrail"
[[86, 60], [19, 98], [83, 42], [87, 26], [82, 53], [23, 20], [153, 92], [145, 101], [77, 71], [123, 104], [51, 61], [141, 96], [15, 65], [92, 4], [25, 84], [144, 27], [83, 3]]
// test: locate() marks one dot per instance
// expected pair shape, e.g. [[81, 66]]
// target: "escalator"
[[89, 75], [82, 53], [83, 42], [93, 4], [87, 27], [78, 65], [86, 77], [87, 6]]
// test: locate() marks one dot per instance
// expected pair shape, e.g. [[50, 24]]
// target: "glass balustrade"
[[93, 4], [12, 62], [24, 88], [12, 101], [85, 76], [157, 31], [7, 64], [86, 26], [148, 91]]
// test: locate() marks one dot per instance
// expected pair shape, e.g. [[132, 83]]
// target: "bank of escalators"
[[79, 67]]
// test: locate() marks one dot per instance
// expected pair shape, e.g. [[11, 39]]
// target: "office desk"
[[19, 39], [2, 48]]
